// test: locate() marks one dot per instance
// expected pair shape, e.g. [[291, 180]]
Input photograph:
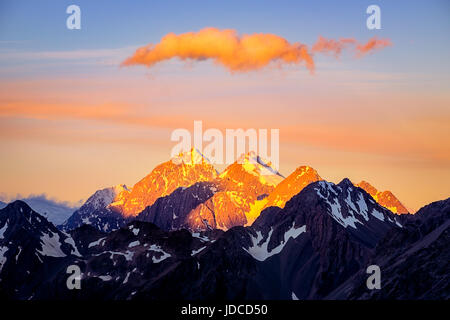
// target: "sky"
[[73, 119]]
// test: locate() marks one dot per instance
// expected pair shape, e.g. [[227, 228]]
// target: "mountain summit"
[[251, 163], [183, 170], [384, 198], [239, 188], [95, 211], [292, 185]]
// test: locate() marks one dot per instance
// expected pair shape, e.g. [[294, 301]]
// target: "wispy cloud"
[[41, 197], [100, 56]]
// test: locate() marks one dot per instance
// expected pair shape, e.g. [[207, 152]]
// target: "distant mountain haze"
[[55, 211]]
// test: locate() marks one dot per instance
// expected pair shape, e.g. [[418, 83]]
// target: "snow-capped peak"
[[194, 156], [349, 206], [102, 198], [257, 166]]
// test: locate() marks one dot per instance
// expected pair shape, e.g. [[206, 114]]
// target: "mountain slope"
[[120, 264], [96, 212], [414, 261], [292, 185], [32, 250], [321, 238], [251, 166], [171, 212], [240, 188], [315, 244], [181, 171], [316, 247], [323, 235], [385, 198], [53, 211]]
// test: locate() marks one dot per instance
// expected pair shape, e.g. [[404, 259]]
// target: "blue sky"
[[419, 28], [55, 83]]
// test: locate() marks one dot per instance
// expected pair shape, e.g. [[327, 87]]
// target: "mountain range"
[[188, 192], [55, 211], [186, 231]]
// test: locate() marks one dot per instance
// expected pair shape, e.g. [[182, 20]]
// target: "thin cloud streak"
[[377, 138]]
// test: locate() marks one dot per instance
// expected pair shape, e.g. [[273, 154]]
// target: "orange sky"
[[68, 136]]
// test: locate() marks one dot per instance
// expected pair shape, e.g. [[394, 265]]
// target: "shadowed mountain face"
[[171, 212], [97, 213], [31, 250], [414, 260], [317, 247]]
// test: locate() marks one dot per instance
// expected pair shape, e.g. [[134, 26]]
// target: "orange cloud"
[[336, 47], [325, 45], [225, 47], [371, 45], [242, 53]]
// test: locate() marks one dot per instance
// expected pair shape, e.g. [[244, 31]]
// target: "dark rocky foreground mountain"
[[317, 247], [415, 260]]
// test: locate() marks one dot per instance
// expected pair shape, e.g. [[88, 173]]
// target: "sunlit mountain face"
[[292, 185], [182, 171], [188, 192], [241, 187], [384, 198]]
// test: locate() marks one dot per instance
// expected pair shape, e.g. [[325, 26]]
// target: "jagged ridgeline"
[[188, 192], [186, 231]]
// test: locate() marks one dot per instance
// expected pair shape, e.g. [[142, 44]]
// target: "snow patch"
[[2, 256], [363, 209], [51, 246], [157, 248], [3, 229], [259, 250], [194, 252], [128, 255], [126, 278], [96, 243], [70, 241], [328, 190], [134, 244], [377, 214], [199, 236]]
